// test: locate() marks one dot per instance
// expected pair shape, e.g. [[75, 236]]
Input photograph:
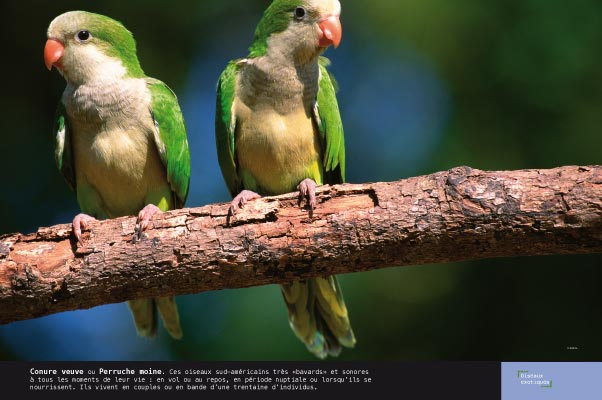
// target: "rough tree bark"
[[461, 214]]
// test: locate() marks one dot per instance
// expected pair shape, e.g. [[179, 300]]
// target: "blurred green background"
[[425, 86]]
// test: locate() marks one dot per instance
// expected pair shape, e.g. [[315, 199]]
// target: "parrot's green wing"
[[62, 146], [170, 138], [330, 125], [225, 127], [317, 311]]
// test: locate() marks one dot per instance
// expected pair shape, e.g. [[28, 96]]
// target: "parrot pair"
[[121, 144]]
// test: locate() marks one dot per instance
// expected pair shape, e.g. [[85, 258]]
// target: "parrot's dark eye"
[[300, 13], [83, 36]]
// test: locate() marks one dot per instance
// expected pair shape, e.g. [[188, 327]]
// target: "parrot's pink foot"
[[144, 217], [80, 222], [242, 199], [307, 190]]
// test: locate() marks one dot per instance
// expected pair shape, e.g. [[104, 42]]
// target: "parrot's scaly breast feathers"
[[95, 46]]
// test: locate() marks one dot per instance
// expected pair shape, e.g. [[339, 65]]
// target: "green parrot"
[[120, 138], [278, 129]]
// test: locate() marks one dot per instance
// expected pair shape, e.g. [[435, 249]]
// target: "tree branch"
[[461, 214]]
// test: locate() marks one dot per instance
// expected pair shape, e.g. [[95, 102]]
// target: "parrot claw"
[[80, 223], [144, 217], [241, 200], [307, 190]]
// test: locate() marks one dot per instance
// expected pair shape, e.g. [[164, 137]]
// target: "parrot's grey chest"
[[104, 102], [111, 124], [276, 137], [112, 129]]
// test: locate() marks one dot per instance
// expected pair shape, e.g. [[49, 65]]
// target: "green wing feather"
[[330, 126], [170, 138], [63, 152], [318, 315], [172, 144], [317, 311], [225, 127]]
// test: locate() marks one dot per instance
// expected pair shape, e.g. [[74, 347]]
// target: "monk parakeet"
[[120, 139], [278, 129]]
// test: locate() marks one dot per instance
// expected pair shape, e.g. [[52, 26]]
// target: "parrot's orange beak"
[[331, 31], [53, 52]]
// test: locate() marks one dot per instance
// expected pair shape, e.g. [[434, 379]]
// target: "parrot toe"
[[242, 199], [307, 190], [80, 223], [144, 217]]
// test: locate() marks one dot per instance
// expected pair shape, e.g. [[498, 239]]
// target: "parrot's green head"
[[84, 46], [301, 29]]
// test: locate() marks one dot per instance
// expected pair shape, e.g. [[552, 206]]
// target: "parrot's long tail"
[[145, 316], [318, 315]]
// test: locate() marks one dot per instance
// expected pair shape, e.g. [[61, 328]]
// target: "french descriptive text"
[[193, 379]]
